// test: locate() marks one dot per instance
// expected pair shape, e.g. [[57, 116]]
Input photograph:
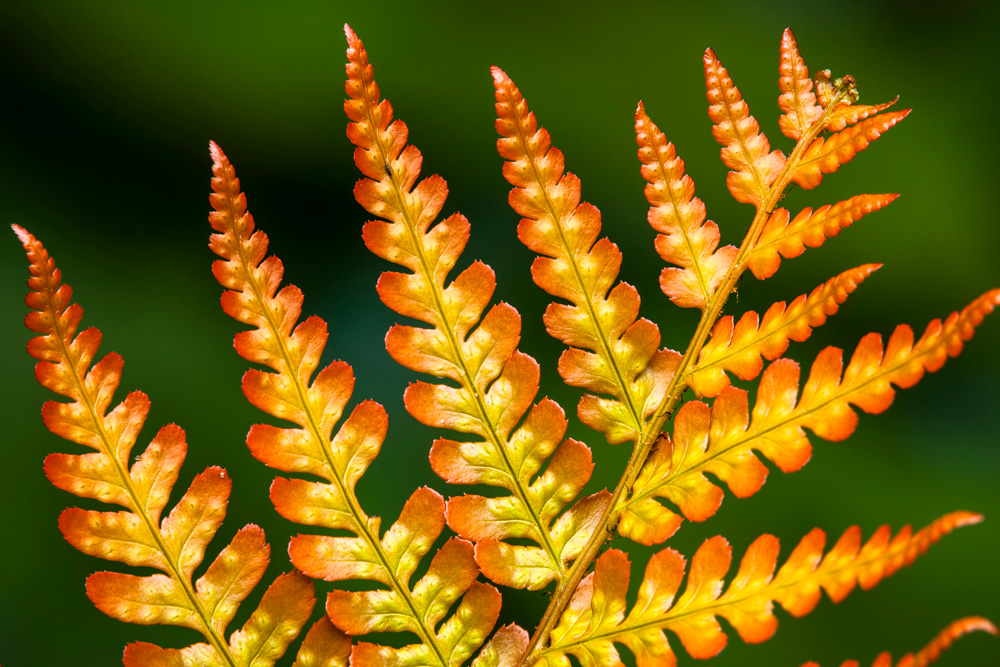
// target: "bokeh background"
[[107, 111]]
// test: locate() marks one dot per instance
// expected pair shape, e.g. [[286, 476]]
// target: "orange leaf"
[[746, 149], [295, 392], [781, 238], [825, 155], [849, 114], [504, 649], [685, 238], [797, 100], [945, 639], [596, 617], [175, 545], [611, 352], [276, 622]]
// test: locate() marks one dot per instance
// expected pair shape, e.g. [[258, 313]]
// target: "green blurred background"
[[107, 112]]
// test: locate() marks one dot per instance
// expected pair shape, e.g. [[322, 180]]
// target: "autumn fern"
[[512, 511]]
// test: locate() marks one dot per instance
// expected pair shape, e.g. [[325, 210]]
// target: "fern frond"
[[825, 154], [315, 405], [797, 99], [497, 384], [849, 114], [929, 653], [685, 238], [783, 238], [738, 348], [596, 618], [745, 149], [610, 351], [174, 545], [719, 439]]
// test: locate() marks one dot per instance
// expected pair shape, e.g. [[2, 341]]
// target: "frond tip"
[[797, 99], [945, 639], [686, 239], [612, 351], [745, 149], [175, 545]]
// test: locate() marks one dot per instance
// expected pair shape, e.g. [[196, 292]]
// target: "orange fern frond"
[[315, 404], [685, 238], [596, 619], [497, 383], [797, 99], [849, 114], [783, 238], [738, 348], [825, 154], [929, 653], [173, 545], [745, 149], [611, 352], [719, 439]]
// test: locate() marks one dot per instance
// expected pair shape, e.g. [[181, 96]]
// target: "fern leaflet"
[[173, 545]]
